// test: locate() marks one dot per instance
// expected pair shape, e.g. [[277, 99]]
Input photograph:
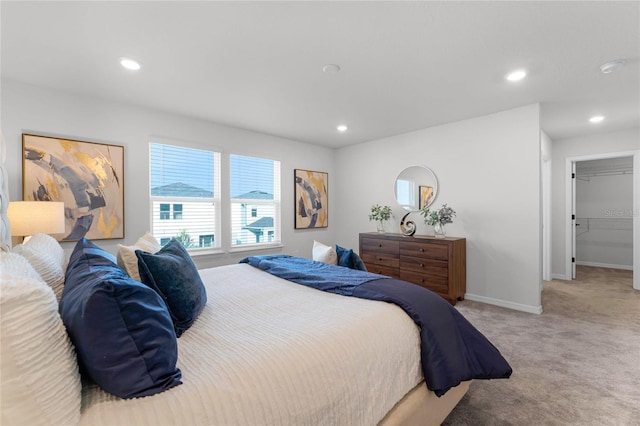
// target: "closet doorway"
[[604, 223]]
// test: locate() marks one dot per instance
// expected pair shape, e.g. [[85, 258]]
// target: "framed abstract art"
[[311, 199], [426, 195], [87, 176]]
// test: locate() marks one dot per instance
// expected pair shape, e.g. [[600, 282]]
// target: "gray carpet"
[[576, 364]]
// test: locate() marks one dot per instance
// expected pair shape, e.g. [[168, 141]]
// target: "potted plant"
[[438, 218], [380, 214]]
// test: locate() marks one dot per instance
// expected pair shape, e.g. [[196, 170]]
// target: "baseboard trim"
[[605, 265], [560, 277], [505, 304]]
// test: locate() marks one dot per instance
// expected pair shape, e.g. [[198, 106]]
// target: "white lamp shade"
[[36, 217]]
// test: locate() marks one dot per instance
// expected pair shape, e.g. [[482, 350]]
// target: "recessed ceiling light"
[[609, 67], [516, 75], [331, 69], [342, 128], [596, 119], [130, 64]]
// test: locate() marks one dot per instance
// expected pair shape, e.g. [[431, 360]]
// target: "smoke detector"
[[331, 69], [609, 67]]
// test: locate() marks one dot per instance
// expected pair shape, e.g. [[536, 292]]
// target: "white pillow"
[[47, 257], [323, 253], [127, 258], [40, 382], [46, 243]]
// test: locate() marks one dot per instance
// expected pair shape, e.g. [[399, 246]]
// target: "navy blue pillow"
[[349, 259], [173, 275], [121, 329]]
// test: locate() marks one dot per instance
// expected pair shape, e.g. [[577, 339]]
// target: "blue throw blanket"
[[452, 350]]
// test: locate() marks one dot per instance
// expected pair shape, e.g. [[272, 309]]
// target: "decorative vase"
[[380, 226], [438, 230]]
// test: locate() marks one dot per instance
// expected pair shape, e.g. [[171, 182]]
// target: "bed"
[[268, 351], [262, 351]]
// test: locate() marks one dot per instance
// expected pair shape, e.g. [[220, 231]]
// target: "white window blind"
[[185, 195], [255, 201]]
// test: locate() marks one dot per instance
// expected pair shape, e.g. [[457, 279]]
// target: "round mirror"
[[415, 188]]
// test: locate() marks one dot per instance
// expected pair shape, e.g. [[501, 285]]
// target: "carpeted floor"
[[576, 364]]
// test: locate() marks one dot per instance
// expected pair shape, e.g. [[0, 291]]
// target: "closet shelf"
[[586, 224]]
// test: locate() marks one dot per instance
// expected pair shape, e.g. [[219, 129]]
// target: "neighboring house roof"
[[255, 195], [180, 189], [263, 222]]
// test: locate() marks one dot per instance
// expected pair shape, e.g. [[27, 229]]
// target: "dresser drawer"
[[425, 266], [432, 282], [431, 251], [383, 270], [379, 245], [382, 259], [438, 264]]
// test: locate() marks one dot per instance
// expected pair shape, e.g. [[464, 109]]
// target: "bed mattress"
[[266, 351]]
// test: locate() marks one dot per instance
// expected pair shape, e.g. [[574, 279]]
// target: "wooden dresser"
[[439, 264]]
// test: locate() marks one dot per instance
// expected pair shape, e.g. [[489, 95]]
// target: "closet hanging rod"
[[616, 172]]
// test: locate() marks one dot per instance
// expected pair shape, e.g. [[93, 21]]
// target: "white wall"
[[488, 169], [623, 141], [36, 110]]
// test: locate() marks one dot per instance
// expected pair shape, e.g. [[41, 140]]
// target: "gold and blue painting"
[[311, 199], [86, 176], [427, 194]]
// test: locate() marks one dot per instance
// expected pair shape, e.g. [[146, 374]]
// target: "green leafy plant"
[[185, 239], [443, 216], [380, 213]]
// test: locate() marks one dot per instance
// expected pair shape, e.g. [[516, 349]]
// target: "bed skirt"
[[422, 407]]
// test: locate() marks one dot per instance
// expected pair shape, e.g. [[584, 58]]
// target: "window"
[[165, 211], [185, 195], [177, 211], [255, 201], [206, 240]]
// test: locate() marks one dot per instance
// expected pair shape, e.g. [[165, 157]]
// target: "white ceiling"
[[405, 65]]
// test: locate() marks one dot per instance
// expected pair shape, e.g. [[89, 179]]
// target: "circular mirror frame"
[[421, 177], [426, 193]]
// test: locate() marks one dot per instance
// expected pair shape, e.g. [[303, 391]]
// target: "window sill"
[[205, 252], [246, 248], [260, 247]]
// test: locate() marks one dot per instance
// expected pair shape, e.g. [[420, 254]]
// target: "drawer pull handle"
[[422, 265], [421, 249], [421, 280], [379, 258], [379, 245]]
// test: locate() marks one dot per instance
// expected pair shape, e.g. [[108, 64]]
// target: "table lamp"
[[36, 217]]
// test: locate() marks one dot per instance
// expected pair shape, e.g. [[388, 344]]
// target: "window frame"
[[217, 199], [223, 202], [276, 203]]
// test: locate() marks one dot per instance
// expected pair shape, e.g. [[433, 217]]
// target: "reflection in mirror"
[[415, 188]]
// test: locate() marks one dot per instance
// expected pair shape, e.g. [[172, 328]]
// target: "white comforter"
[[265, 351]]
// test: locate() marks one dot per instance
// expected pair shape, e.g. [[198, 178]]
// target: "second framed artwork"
[[87, 176], [426, 196], [311, 199]]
